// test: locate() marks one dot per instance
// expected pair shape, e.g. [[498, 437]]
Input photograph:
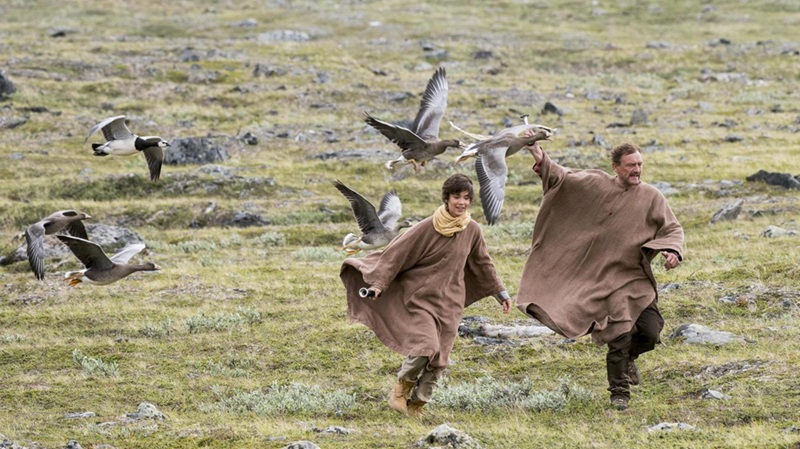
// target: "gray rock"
[[506, 332], [72, 444], [639, 117], [272, 37], [6, 87], [334, 430], [301, 445], [12, 122], [147, 410], [670, 426], [733, 138], [775, 231], [244, 219], [657, 45], [713, 394], [665, 188], [778, 179], [452, 438], [194, 150], [78, 415], [550, 108], [729, 212], [699, 334]]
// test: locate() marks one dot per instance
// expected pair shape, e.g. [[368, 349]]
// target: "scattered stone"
[[72, 444], [598, 140], [11, 122], [778, 179], [699, 334], [550, 108], [506, 332], [301, 445], [267, 71], [733, 138], [194, 150], [80, 415], [146, 410], [729, 212], [272, 37], [657, 45], [452, 438], [334, 430], [190, 55], [483, 54], [735, 368], [6, 87], [775, 231], [639, 117], [249, 139], [713, 394], [665, 188], [669, 427], [244, 219], [245, 23]]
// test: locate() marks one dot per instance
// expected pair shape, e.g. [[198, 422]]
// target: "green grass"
[[242, 340]]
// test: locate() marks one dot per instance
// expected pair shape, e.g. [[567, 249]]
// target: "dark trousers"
[[627, 347]]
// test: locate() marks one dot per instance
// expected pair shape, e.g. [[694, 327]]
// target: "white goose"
[[377, 228], [120, 141], [490, 163]]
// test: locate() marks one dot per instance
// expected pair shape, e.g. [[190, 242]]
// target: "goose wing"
[[363, 210], [432, 106], [519, 129], [155, 157], [402, 136], [89, 253], [125, 254], [34, 236], [77, 229], [492, 172], [390, 210], [113, 129]]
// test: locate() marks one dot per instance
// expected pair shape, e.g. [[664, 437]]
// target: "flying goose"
[[68, 220], [377, 228], [120, 141], [100, 269], [490, 163], [420, 143]]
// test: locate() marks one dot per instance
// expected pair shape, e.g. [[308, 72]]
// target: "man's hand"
[[506, 305], [671, 260]]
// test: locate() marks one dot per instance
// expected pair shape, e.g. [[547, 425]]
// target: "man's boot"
[[415, 409], [399, 395]]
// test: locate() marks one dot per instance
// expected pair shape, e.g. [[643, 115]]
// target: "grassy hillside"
[[242, 339]]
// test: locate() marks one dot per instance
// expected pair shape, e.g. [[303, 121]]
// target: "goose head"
[[156, 141]]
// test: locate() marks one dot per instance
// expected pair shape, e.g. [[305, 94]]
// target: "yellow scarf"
[[446, 224]]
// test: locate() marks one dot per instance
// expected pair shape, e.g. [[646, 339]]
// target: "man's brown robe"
[[426, 281], [593, 241]]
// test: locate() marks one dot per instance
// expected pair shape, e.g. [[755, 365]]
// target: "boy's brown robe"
[[593, 241], [426, 280]]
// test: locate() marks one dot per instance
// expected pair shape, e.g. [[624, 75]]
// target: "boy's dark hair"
[[456, 184]]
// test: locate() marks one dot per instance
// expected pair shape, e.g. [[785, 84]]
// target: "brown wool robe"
[[593, 241], [426, 281]]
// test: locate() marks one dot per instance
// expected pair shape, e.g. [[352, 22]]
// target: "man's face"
[[629, 169]]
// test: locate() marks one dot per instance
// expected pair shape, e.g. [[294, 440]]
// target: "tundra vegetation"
[[242, 339]]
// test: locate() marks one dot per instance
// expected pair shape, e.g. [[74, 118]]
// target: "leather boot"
[[399, 395], [415, 409]]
